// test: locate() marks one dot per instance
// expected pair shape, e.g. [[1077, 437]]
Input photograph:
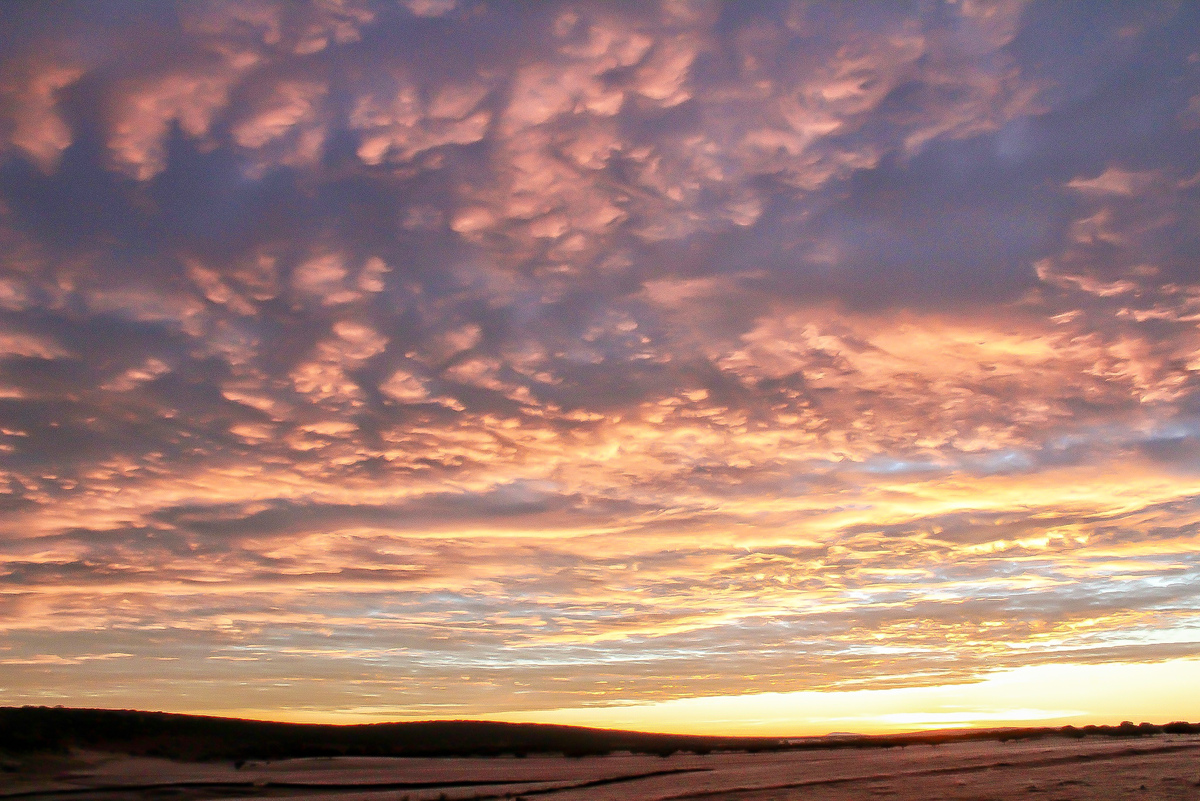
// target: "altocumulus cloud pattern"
[[448, 358]]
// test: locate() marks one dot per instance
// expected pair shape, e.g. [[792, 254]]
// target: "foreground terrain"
[[1158, 767]]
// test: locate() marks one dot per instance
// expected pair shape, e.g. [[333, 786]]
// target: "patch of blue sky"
[[889, 465]]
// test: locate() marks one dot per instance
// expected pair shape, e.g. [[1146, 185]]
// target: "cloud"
[[430, 8], [35, 124], [596, 353], [145, 112], [1114, 181]]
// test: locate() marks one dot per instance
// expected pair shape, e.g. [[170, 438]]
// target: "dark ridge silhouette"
[[194, 737], [25, 729]]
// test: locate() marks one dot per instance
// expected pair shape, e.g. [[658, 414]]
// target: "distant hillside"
[[27, 729]]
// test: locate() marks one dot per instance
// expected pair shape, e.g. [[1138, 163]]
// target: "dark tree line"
[[54, 729]]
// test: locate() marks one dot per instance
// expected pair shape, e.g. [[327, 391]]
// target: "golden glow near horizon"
[[691, 367], [1035, 695]]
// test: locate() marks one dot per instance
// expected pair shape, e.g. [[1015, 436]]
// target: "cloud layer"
[[447, 358]]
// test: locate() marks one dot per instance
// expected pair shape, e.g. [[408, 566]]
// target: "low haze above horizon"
[[763, 367]]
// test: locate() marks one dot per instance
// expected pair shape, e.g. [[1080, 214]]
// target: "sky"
[[777, 367]]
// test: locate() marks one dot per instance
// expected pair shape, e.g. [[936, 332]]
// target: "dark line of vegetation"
[[193, 737]]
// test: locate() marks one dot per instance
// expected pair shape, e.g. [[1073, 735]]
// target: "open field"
[[1162, 767]]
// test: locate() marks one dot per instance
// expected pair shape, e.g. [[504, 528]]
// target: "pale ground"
[[1163, 767]]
